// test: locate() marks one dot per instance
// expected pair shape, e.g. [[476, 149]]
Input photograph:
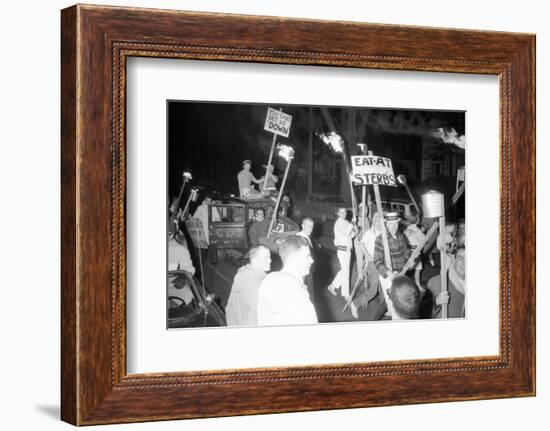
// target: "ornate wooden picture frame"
[[95, 44]]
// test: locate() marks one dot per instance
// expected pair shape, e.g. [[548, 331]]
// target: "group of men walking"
[[287, 296], [277, 298]]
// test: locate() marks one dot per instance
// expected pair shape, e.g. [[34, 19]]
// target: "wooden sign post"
[[288, 154], [443, 264], [363, 208], [364, 150], [387, 256], [278, 123], [374, 170], [433, 204]]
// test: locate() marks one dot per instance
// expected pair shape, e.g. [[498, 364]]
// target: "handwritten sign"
[[371, 170], [277, 122], [194, 227]]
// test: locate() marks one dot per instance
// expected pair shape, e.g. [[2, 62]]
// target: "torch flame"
[[450, 136], [333, 140], [187, 175], [286, 152]]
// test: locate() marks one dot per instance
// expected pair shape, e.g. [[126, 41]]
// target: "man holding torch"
[[268, 181]]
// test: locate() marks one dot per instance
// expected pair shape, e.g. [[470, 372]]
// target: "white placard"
[[370, 170], [278, 122], [151, 348]]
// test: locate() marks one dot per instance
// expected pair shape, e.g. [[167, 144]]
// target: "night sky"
[[212, 139]]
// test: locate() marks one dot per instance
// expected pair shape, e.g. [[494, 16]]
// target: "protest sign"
[[196, 232], [372, 170], [278, 122]]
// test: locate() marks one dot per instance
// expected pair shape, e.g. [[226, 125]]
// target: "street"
[[219, 278]]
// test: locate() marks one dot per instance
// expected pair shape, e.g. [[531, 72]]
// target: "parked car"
[[189, 305]]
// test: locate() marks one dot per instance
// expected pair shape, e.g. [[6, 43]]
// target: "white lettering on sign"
[[277, 122], [369, 170]]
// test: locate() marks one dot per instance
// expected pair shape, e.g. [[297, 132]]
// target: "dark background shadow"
[[49, 410]]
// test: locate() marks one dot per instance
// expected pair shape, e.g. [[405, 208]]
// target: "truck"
[[236, 214]]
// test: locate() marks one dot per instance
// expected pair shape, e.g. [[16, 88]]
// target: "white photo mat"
[[153, 348]]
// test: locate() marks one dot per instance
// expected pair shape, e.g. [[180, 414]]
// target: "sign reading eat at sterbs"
[[278, 122], [371, 170]]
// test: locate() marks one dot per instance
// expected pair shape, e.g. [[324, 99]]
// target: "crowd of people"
[[402, 243], [260, 297], [390, 259]]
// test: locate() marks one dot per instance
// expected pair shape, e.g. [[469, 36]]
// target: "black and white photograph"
[[253, 215], [299, 214]]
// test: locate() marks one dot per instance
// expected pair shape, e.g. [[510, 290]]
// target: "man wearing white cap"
[[399, 254], [398, 245]]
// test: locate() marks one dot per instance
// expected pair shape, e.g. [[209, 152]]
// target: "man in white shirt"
[[283, 298], [245, 179], [307, 229], [344, 232]]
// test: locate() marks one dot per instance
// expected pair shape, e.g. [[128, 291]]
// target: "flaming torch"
[[186, 178], [450, 136], [402, 179], [336, 143], [193, 197], [287, 153]]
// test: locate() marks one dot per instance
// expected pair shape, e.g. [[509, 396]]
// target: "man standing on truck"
[[270, 179], [246, 178]]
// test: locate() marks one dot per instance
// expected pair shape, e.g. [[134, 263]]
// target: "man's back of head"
[[405, 297]]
